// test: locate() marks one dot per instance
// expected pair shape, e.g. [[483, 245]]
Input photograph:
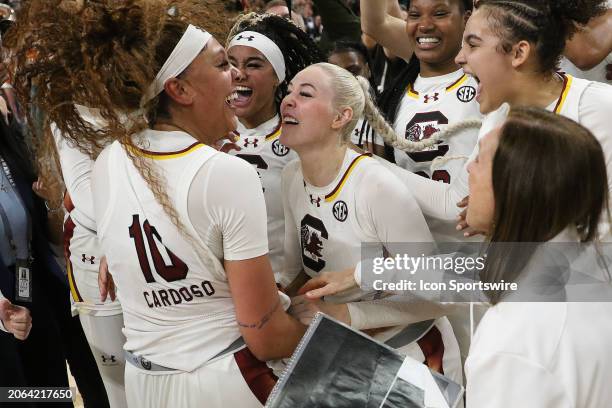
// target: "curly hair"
[[102, 54], [299, 50], [547, 24]]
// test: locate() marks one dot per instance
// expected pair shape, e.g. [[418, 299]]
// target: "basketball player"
[[532, 353], [526, 56], [188, 254], [335, 199], [102, 319], [267, 51], [585, 102], [432, 93]]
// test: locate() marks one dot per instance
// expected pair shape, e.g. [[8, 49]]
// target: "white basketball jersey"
[[176, 301], [568, 103], [363, 136], [428, 106], [81, 249], [82, 253], [576, 92], [332, 224], [597, 73], [262, 148]]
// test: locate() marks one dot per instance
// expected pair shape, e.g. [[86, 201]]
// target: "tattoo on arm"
[[262, 322]]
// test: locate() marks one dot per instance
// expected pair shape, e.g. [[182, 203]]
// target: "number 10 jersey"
[[177, 305]]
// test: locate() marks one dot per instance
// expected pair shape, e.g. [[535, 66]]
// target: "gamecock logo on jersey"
[[340, 210], [312, 236], [279, 149], [466, 93], [421, 127], [417, 133]]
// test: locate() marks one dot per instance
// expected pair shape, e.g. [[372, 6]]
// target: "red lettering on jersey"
[[177, 269]]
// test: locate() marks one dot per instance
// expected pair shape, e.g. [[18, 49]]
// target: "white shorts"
[[235, 380], [106, 341]]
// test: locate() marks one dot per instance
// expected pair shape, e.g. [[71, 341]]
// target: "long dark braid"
[[298, 49], [389, 101]]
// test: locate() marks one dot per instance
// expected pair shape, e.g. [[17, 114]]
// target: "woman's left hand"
[[304, 310], [16, 319]]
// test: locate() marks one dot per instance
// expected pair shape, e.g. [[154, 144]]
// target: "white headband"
[[186, 50], [264, 45]]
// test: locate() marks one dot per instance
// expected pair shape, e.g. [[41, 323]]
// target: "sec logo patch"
[[466, 93], [279, 149], [340, 211]]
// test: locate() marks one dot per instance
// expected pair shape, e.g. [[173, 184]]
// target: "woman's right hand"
[[462, 224], [329, 283], [105, 281]]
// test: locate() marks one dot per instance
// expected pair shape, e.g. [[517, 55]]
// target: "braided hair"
[[385, 130], [389, 100], [389, 103], [547, 24], [299, 50], [353, 92]]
